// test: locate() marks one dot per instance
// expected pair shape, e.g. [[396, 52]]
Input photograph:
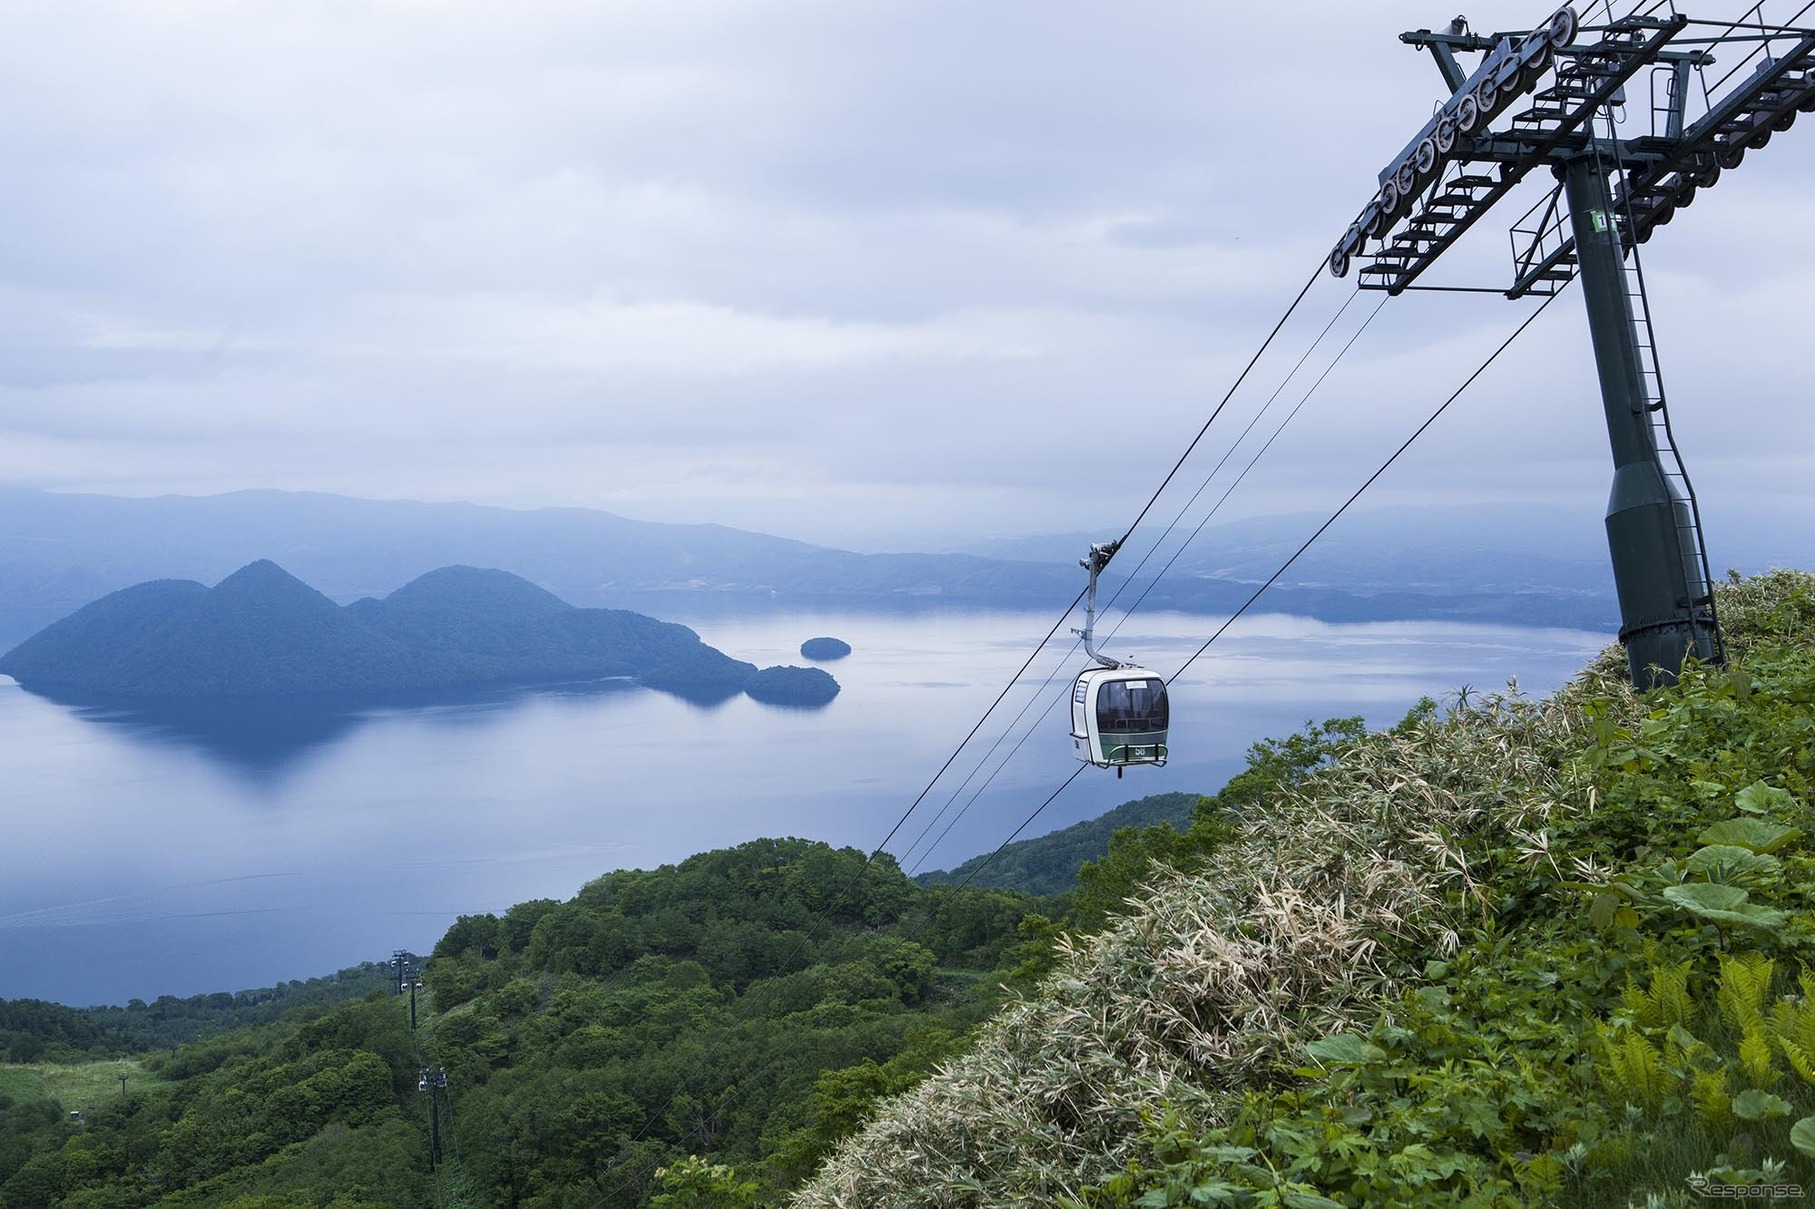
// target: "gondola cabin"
[[1119, 716]]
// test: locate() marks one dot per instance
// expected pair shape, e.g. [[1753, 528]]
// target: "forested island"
[[262, 632], [803, 686], [1504, 952], [825, 649]]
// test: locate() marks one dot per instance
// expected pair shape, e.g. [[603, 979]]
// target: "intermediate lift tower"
[[1565, 86]]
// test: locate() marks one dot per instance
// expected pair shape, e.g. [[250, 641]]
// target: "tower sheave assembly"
[[1565, 86]]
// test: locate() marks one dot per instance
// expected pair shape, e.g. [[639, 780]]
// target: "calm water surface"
[[174, 855]]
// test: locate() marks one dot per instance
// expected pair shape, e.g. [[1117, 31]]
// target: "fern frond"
[[1745, 979], [1755, 1059], [1708, 1092], [1636, 1072]]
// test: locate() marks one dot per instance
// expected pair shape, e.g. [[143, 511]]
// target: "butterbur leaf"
[[1756, 1105], [1703, 896], [1760, 835], [1344, 1049], [1760, 798], [1685, 1040], [1721, 861], [1722, 904], [1802, 1136]]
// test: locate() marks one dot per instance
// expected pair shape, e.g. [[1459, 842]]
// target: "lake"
[[223, 849]]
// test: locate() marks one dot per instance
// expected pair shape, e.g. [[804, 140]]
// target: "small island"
[[801, 686], [261, 632], [824, 650]]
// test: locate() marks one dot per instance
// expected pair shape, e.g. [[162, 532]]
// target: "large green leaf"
[[1722, 862], [1704, 896], [1722, 904], [1760, 798], [1802, 1136], [1760, 835], [1756, 1105]]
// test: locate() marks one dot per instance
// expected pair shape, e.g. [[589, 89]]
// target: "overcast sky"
[[866, 273]]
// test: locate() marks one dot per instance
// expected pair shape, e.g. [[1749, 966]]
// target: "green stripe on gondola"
[[1145, 748]]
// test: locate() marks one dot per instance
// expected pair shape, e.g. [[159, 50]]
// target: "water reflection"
[[263, 736], [176, 850]]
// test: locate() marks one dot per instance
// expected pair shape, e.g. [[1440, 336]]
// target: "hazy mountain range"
[[1531, 566], [58, 552]]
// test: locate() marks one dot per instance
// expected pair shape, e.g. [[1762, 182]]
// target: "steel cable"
[[957, 751], [1334, 516]]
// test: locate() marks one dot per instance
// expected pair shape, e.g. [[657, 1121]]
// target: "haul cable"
[[1076, 772], [857, 877], [1052, 702], [1432, 419]]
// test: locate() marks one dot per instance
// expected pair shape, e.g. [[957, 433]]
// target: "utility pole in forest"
[[1565, 87], [400, 965], [434, 1082]]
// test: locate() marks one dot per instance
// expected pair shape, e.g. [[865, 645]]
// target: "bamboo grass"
[[1327, 905]]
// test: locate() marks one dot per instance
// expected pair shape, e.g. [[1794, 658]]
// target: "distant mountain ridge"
[[68, 548], [59, 551], [263, 632]]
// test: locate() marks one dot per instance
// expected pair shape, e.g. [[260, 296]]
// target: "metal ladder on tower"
[[1657, 407]]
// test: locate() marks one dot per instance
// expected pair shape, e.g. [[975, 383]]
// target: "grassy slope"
[[1488, 958], [79, 1087]]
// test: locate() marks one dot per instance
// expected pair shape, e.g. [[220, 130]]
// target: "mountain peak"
[[467, 589], [262, 575]]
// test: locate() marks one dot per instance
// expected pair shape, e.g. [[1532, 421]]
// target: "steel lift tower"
[[1715, 90]]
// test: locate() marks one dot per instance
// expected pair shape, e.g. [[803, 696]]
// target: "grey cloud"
[[821, 268]]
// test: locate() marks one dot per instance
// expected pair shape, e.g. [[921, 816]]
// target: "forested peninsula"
[[1506, 952], [263, 632]]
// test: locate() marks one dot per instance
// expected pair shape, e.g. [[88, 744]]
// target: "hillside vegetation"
[[1049, 864], [1504, 953], [750, 1004], [1509, 952]]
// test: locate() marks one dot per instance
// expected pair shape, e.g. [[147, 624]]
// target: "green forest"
[[1050, 863], [748, 1004], [1505, 952]]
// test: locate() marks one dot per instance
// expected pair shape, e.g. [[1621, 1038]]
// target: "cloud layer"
[[853, 273]]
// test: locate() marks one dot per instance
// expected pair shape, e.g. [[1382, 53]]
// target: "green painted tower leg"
[[1656, 567]]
